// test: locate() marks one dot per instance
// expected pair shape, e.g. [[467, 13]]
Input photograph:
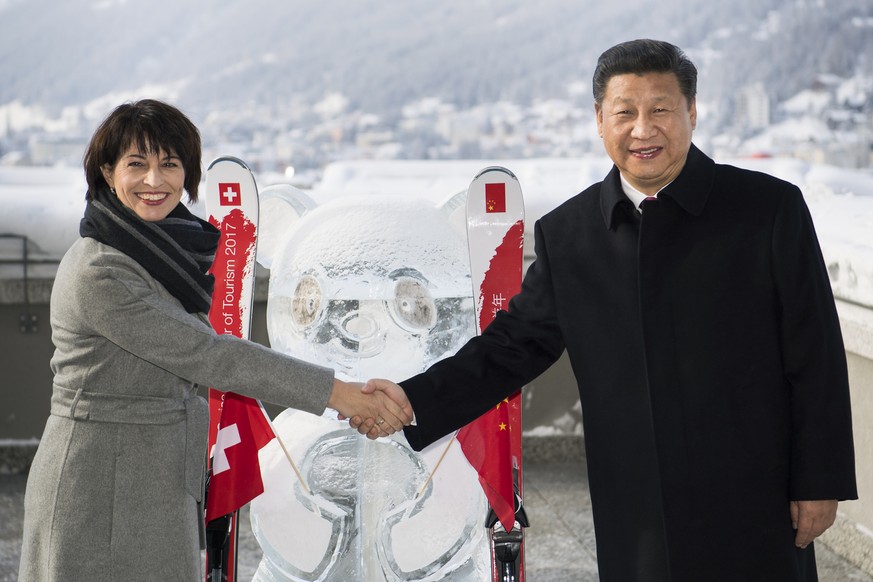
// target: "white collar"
[[636, 197]]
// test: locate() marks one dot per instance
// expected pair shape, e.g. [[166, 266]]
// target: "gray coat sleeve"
[[120, 301]]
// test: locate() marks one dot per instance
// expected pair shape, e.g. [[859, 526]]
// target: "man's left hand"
[[811, 519]]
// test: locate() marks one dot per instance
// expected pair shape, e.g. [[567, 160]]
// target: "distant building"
[[752, 108], [49, 150]]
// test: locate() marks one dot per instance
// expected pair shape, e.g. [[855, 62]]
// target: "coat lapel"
[[690, 190]]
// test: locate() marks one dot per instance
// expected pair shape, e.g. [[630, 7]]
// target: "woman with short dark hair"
[[116, 487]]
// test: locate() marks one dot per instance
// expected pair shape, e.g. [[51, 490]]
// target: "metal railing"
[[28, 322]]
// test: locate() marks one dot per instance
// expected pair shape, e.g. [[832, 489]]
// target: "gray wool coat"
[[116, 488]]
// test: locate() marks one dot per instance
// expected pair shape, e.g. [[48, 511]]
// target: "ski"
[[495, 233], [232, 207]]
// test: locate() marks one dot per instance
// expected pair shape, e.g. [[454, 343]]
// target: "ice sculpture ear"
[[455, 208], [282, 206]]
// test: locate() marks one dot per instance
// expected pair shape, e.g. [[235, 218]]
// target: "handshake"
[[378, 408]]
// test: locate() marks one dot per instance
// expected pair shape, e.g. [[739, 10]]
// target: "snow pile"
[[45, 204]]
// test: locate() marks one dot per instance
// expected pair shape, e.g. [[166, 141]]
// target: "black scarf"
[[177, 251]]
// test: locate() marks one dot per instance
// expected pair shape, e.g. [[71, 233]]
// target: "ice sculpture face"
[[371, 287]]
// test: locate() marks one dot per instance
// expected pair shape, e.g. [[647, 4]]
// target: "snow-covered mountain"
[[258, 59]]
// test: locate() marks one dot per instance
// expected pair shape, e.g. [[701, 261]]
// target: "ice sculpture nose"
[[361, 336], [359, 326]]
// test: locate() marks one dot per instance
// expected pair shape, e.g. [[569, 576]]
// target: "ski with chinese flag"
[[238, 425], [492, 443]]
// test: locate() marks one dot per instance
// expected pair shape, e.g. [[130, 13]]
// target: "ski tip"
[[495, 169], [232, 159]]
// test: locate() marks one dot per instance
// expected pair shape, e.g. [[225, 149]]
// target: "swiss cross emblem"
[[229, 194], [227, 437]]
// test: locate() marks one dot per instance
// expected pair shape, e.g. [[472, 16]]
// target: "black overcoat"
[[706, 346]]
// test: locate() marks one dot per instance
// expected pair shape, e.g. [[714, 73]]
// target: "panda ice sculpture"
[[372, 287]]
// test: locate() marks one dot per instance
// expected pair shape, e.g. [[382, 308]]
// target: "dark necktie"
[[647, 199]]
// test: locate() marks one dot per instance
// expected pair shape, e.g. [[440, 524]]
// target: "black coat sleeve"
[[814, 361], [515, 348]]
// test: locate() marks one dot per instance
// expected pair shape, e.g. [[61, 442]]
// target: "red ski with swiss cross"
[[232, 207], [492, 443]]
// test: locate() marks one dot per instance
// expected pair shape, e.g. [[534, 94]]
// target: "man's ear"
[[598, 116], [692, 111]]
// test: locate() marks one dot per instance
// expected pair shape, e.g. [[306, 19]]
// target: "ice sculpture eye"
[[413, 308], [307, 303]]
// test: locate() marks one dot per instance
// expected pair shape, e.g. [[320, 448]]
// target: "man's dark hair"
[[645, 56], [153, 126]]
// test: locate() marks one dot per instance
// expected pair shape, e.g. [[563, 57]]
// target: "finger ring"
[[380, 422]]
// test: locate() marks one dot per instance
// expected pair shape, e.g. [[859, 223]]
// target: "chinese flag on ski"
[[492, 443], [242, 431], [495, 198]]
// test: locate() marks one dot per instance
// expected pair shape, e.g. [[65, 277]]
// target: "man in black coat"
[[703, 335]]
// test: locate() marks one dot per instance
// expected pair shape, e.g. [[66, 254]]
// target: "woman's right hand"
[[378, 409]]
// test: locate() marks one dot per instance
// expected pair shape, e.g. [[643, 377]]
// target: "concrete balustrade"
[[25, 387]]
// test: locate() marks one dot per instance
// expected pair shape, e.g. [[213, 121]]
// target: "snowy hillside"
[[257, 61], [240, 54]]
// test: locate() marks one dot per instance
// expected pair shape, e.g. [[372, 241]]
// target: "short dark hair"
[[645, 56], [153, 126]]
